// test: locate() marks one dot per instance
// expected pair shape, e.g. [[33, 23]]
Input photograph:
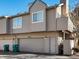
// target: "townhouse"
[[41, 30]]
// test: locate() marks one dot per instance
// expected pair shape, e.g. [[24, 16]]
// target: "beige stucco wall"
[[51, 20], [68, 45], [47, 42], [59, 11], [33, 35], [54, 45], [70, 25], [39, 34], [40, 26], [41, 45], [3, 26], [32, 45], [26, 25], [64, 23], [4, 42]]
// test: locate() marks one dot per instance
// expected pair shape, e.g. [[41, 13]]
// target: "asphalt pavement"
[[35, 56]]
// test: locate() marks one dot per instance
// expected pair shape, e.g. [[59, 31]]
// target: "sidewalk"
[[35, 56], [11, 55]]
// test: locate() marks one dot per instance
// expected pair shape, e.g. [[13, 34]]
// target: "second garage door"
[[32, 45]]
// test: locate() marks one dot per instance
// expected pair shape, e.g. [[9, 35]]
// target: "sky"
[[13, 7]]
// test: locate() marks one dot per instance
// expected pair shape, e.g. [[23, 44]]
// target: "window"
[[37, 17], [17, 23]]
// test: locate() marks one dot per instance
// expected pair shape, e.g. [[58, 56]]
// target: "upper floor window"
[[17, 23], [37, 17]]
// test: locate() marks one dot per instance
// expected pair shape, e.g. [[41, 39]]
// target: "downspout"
[[47, 31], [49, 45], [46, 21], [64, 35], [11, 32], [46, 35], [63, 40], [11, 29]]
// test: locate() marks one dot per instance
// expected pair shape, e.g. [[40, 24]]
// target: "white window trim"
[[17, 27], [42, 16]]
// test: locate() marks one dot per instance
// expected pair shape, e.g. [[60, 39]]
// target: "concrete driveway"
[[34, 56]]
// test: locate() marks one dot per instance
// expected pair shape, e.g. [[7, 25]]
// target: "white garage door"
[[3, 42], [32, 45]]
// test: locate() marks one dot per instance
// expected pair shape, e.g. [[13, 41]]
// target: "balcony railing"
[[64, 23]]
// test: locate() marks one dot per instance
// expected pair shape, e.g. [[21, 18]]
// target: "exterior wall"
[[68, 45], [9, 26], [4, 37], [26, 35], [3, 26], [60, 39], [35, 36], [51, 20], [58, 11], [40, 26], [46, 47], [53, 45], [41, 45], [26, 25], [32, 45], [51, 23], [39, 34], [64, 23], [47, 42], [70, 25], [76, 43], [4, 42], [65, 7]]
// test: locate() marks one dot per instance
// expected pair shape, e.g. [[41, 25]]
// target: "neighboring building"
[[41, 30]]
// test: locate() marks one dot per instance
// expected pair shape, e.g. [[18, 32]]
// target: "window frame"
[[41, 20], [14, 20]]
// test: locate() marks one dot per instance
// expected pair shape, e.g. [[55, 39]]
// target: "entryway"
[[60, 49]]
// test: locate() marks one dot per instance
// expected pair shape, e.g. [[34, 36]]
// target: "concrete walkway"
[[34, 56]]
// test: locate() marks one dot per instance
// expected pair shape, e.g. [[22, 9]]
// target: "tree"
[[74, 15]]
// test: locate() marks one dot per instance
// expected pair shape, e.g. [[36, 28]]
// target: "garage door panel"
[[32, 45]]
